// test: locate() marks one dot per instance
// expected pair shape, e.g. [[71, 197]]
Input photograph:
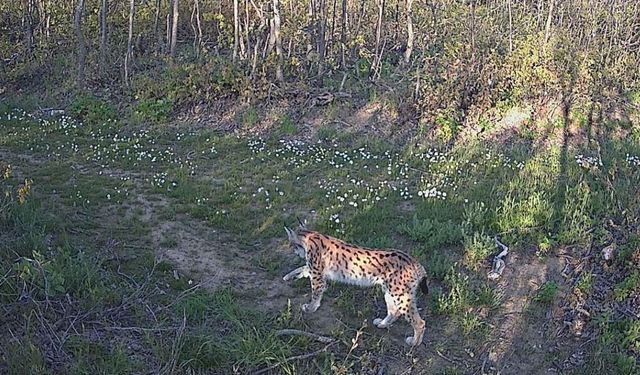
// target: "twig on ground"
[[170, 367], [295, 358], [498, 261], [291, 332], [142, 329], [445, 358]]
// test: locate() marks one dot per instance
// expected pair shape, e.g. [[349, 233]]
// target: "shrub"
[[91, 110]]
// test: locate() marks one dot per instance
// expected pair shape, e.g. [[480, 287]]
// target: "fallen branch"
[[291, 332], [498, 262], [445, 357], [295, 358]]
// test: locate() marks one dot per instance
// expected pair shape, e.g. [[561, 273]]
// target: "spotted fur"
[[328, 258]]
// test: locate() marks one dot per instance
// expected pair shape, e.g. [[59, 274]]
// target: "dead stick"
[[295, 358], [290, 332]]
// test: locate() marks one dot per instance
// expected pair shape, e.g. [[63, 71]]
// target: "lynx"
[[328, 258]]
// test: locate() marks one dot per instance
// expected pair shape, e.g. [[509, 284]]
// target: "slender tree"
[[197, 27], [379, 49], [472, 30], [322, 47], [174, 29], [27, 21], [343, 36], [156, 31], [129, 56], [410, 36], [82, 51], [168, 28], [510, 26], [547, 28], [236, 29], [278, 40], [103, 34]]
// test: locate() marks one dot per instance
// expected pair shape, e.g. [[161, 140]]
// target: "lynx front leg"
[[298, 273], [318, 286]]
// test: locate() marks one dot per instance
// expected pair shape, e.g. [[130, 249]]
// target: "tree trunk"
[[236, 30], [174, 29], [373, 71], [128, 57], [27, 22], [510, 26], [547, 28], [407, 52], [103, 34], [473, 31], [276, 34], [197, 27], [47, 19], [81, 45], [322, 27], [156, 25], [167, 47], [247, 39], [311, 27], [333, 28], [343, 37]]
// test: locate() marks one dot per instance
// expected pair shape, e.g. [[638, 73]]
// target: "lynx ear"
[[303, 224], [293, 237]]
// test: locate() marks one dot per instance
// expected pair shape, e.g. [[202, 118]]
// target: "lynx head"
[[296, 243]]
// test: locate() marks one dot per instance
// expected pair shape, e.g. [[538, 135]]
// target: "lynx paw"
[[411, 341], [379, 323], [309, 308]]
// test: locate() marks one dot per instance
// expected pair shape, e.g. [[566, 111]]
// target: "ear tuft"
[[293, 237], [303, 224]]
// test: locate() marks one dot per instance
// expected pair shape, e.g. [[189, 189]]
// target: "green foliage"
[[249, 118], [92, 110], [470, 323], [576, 216], [585, 284], [432, 233], [626, 250], [457, 297], [195, 306], [630, 284], [287, 127], [94, 357], [476, 217], [188, 83], [23, 358], [438, 265], [154, 111], [477, 248], [616, 339], [448, 127], [531, 69], [487, 296], [547, 292]]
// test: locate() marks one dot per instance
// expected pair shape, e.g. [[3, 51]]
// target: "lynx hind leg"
[[413, 317], [392, 312]]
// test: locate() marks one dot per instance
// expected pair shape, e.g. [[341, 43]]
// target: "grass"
[[442, 205], [547, 293]]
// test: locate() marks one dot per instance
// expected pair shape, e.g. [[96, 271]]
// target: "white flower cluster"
[[632, 160], [432, 193], [588, 161]]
